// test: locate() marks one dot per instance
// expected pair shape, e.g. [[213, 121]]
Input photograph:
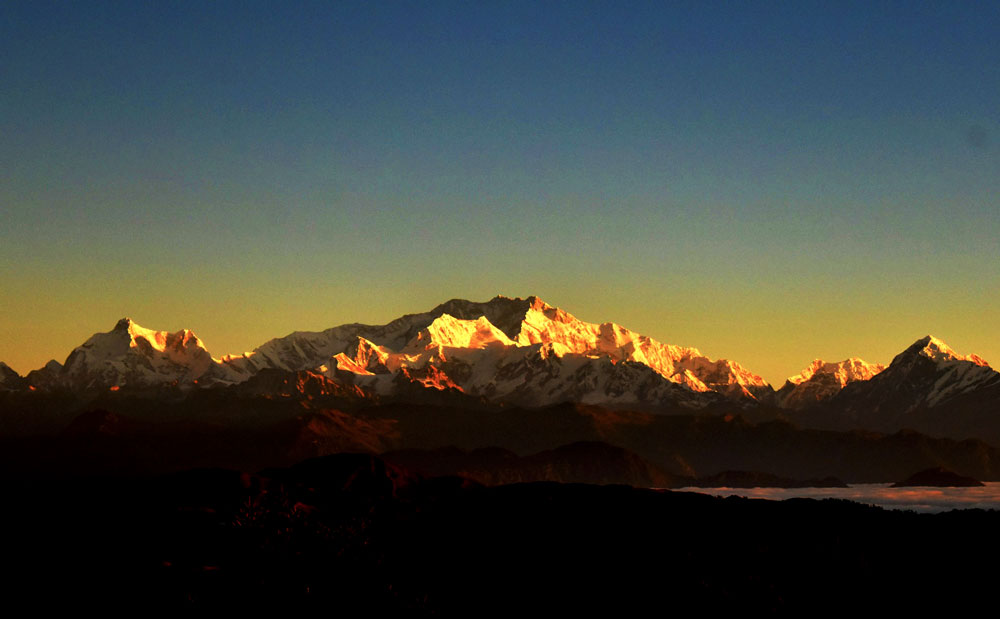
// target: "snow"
[[822, 380], [843, 372], [510, 349], [546, 324], [522, 351], [956, 373], [453, 332], [132, 354], [940, 352], [934, 373]]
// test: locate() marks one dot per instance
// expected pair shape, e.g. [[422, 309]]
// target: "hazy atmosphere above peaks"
[[768, 183]]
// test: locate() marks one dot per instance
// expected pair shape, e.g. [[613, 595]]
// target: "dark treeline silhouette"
[[351, 534]]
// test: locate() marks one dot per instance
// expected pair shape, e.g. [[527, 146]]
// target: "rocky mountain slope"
[[821, 381], [927, 387], [9, 379], [513, 351]]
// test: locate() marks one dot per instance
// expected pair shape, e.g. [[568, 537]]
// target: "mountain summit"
[[508, 349], [928, 387], [505, 350], [937, 351], [822, 380], [132, 356], [9, 379], [523, 352]]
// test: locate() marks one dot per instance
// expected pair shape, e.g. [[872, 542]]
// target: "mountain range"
[[527, 353]]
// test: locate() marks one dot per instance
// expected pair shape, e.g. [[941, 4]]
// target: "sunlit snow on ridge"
[[919, 499]]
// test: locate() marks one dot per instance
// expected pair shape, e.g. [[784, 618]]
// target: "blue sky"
[[770, 182]]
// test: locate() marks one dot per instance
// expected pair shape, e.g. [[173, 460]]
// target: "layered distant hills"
[[467, 395], [525, 353]]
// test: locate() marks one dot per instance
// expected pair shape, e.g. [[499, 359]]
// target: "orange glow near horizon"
[[919, 498], [760, 339]]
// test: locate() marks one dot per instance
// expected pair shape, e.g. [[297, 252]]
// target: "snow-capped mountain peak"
[[128, 334], [478, 339], [448, 331], [926, 375], [822, 380], [545, 324], [843, 372], [131, 354], [939, 352], [161, 341]]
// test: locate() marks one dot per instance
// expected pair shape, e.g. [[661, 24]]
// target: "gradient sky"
[[768, 181]]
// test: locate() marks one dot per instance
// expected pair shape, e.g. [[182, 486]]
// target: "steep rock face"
[[543, 374], [526, 353], [939, 373], [509, 350], [686, 366], [309, 349], [926, 375], [9, 379], [446, 331], [928, 387], [821, 381], [280, 383], [132, 356], [45, 377]]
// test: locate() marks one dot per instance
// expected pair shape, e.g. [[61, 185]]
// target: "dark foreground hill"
[[351, 535], [258, 433], [587, 462], [938, 477]]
